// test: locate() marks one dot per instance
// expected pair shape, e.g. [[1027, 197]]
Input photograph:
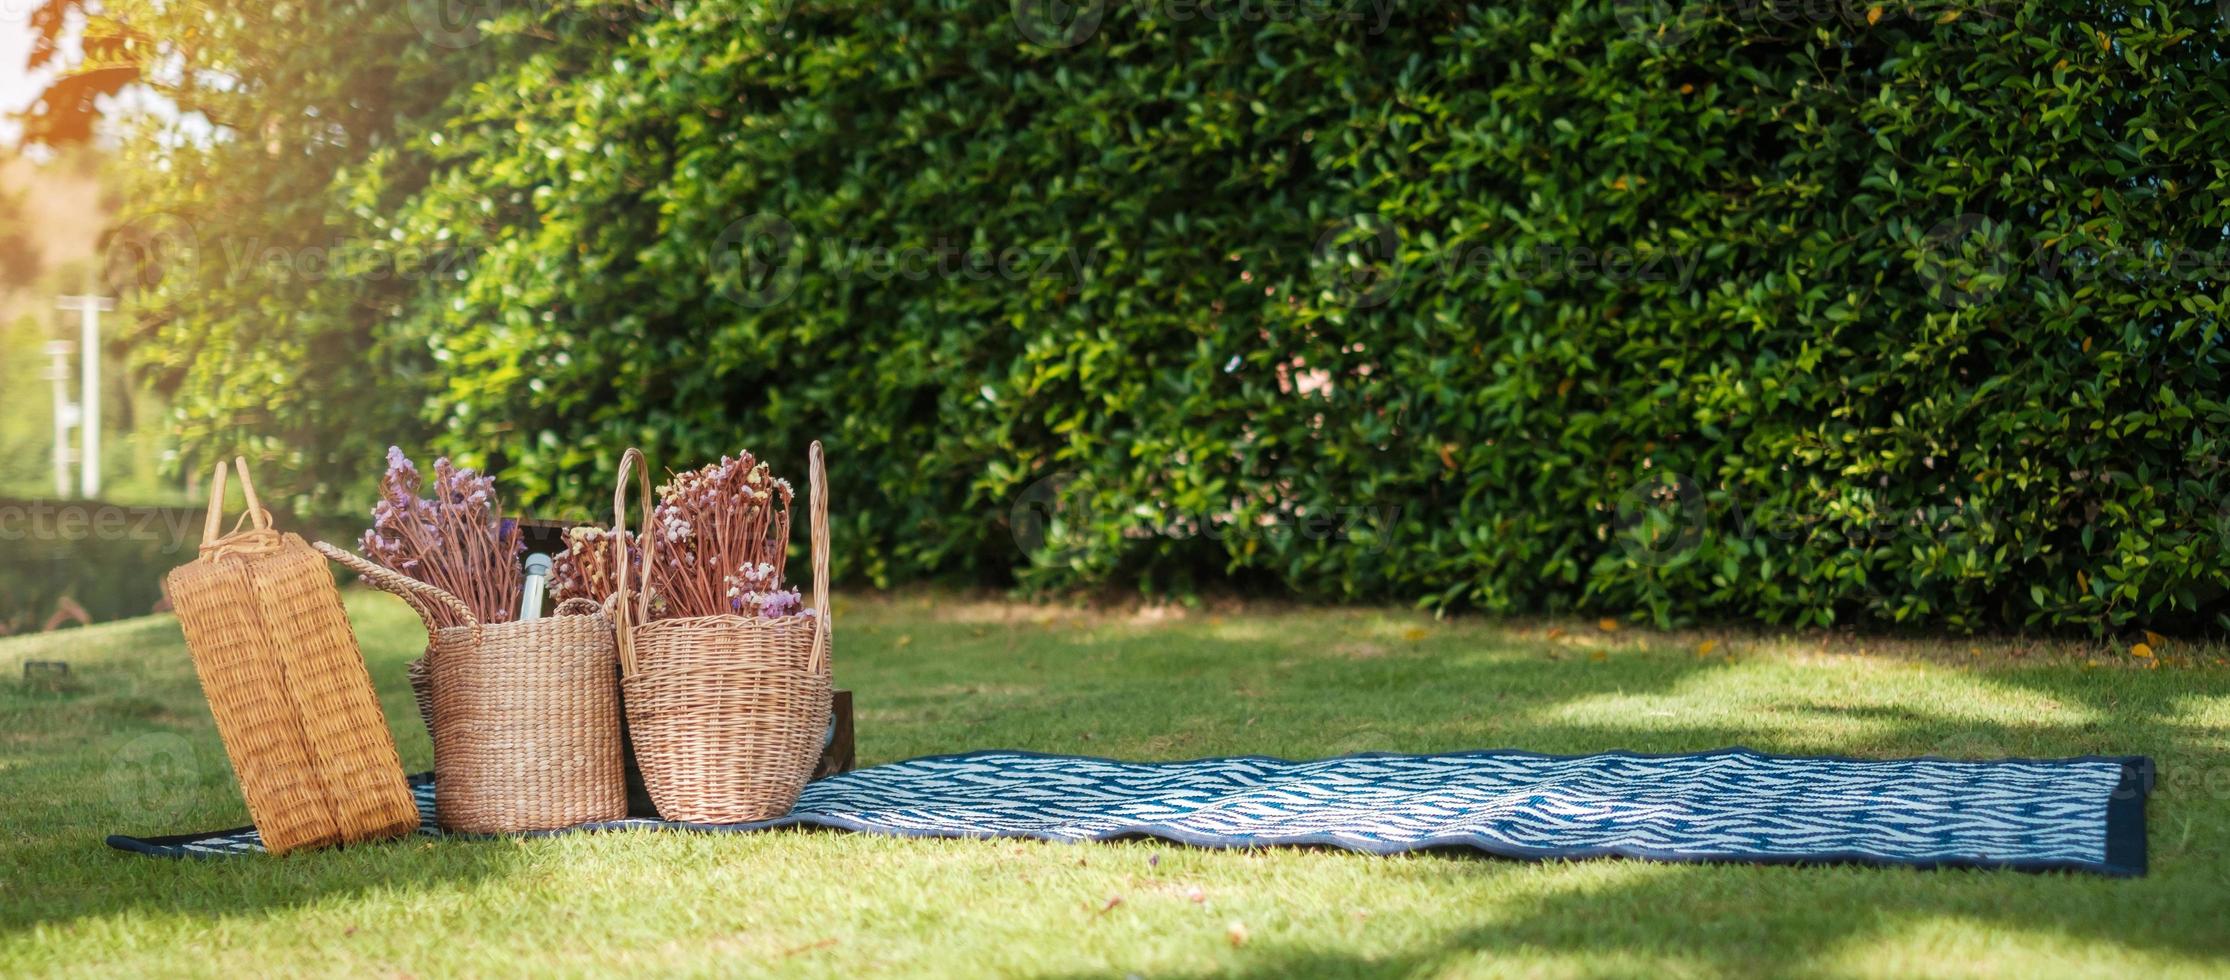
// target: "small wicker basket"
[[727, 713], [524, 715], [287, 685]]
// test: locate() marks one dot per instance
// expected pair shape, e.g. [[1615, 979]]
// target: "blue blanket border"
[[2125, 820]]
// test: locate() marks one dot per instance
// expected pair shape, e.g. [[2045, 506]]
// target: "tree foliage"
[[1890, 314], [255, 306]]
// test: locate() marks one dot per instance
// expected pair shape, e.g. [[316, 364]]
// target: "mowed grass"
[[126, 745]]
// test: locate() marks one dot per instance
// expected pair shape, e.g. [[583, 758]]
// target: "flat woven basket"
[[524, 715], [287, 685], [727, 713]]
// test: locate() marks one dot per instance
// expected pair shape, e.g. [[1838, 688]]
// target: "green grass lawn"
[[126, 745]]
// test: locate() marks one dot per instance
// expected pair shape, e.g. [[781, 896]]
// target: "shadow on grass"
[[1842, 918], [125, 744], [1739, 920], [76, 877], [1313, 686]]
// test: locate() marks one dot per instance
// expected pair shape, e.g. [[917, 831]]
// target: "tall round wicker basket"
[[524, 715], [727, 713]]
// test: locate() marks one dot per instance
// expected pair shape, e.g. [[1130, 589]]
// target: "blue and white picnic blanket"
[[2084, 814]]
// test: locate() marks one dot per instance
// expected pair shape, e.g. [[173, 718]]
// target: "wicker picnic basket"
[[524, 715], [727, 713], [287, 685]]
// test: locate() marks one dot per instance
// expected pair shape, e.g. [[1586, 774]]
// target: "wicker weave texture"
[[525, 716], [287, 687], [727, 718], [421, 676], [526, 726], [727, 713]]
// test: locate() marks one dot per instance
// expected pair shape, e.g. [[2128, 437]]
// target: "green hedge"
[[1802, 314]]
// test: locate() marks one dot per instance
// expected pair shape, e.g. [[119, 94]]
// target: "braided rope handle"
[[817, 477], [213, 521], [578, 606], [412, 591], [621, 622]]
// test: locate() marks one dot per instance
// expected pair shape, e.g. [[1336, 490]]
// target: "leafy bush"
[[1895, 314]]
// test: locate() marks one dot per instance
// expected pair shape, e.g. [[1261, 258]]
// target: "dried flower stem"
[[723, 536], [452, 540]]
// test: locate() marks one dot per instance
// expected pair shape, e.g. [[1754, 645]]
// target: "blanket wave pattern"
[[1737, 805]]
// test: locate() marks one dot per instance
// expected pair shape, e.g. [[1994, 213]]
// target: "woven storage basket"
[[638, 799], [286, 683], [727, 713], [524, 715]]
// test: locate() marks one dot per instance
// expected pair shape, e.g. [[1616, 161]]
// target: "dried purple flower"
[[452, 539], [722, 534]]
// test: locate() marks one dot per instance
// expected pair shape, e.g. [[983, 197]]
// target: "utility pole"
[[65, 414], [89, 393]]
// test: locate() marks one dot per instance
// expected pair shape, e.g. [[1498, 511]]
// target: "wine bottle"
[[538, 573]]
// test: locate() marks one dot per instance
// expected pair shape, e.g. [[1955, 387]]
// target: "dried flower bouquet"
[[452, 539], [723, 536]]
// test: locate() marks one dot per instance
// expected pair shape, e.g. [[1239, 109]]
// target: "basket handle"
[[621, 622], [817, 477], [579, 606], [412, 591], [212, 524]]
